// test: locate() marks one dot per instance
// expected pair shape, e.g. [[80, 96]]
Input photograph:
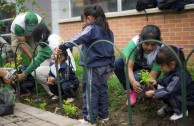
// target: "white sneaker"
[[105, 121], [54, 97], [163, 110], [175, 116], [86, 122], [70, 100]]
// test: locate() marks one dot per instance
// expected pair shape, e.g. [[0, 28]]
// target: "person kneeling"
[[68, 81]]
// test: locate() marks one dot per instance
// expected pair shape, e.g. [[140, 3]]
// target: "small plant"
[[145, 77], [11, 64], [42, 106], [28, 100], [70, 110]]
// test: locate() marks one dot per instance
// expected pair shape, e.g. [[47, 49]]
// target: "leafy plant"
[[145, 77], [12, 63], [42, 106], [28, 100], [70, 110]]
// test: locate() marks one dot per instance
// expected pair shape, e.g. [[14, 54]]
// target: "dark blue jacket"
[[100, 54], [172, 86], [65, 74]]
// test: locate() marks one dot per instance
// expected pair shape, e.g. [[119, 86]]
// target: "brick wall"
[[176, 28]]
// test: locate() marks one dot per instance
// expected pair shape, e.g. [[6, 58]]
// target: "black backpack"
[[189, 1], [145, 4], [176, 5]]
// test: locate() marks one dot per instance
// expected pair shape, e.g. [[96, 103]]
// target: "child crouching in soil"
[[170, 93], [68, 81]]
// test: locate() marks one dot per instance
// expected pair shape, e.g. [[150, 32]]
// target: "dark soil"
[[143, 113]]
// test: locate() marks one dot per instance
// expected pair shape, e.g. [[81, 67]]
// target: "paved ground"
[[25, 115]]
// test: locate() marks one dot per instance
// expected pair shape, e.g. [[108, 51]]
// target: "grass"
[[116, 94]]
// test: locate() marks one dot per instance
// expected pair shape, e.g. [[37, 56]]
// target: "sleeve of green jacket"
[[43, 54]]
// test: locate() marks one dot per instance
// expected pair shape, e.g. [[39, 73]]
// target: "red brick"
[[176, 28]]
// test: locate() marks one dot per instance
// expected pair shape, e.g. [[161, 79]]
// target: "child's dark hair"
[[151, 32], [10, 55], [65, 54], [97, 12], [40, 33], [165, 55]]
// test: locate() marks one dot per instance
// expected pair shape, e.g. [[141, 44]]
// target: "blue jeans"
[[120, 73], [97, 80]]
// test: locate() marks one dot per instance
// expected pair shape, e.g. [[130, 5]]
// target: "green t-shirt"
[[131, 46]]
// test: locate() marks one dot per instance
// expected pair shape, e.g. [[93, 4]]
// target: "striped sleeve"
[[83, 37], [170, 90]]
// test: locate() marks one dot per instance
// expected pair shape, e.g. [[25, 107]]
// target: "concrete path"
[[25, 115]]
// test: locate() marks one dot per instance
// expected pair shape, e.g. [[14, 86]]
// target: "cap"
[[2, 23], [30, 20]]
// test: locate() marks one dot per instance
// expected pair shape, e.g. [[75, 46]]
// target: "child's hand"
[[21, 76], [149, 93], [58, 51], [153, 82], [51, 80]]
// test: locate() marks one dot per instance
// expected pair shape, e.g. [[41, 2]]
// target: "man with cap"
[[21, 29]]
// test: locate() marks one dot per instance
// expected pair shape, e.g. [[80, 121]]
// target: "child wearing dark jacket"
[[170, 92], [100, 62], [68, 81]]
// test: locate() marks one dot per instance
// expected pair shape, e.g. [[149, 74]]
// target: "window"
[[128, 4], [108, 5]]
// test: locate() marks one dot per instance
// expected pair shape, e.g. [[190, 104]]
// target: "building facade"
[[177, 28], [63, 17]]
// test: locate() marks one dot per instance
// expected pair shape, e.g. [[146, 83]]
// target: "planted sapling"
[[145, 81], [145, 77]]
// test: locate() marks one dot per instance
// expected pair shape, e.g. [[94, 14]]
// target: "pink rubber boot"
[[133, 96]]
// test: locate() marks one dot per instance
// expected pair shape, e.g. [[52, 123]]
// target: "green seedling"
[[70, 110], [42, 106], [145, 77], [28, 100]]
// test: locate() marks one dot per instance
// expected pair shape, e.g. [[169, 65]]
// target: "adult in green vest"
[[21, 29]]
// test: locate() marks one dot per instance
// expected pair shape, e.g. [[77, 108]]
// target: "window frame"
[[127, 13], [119, 6]]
